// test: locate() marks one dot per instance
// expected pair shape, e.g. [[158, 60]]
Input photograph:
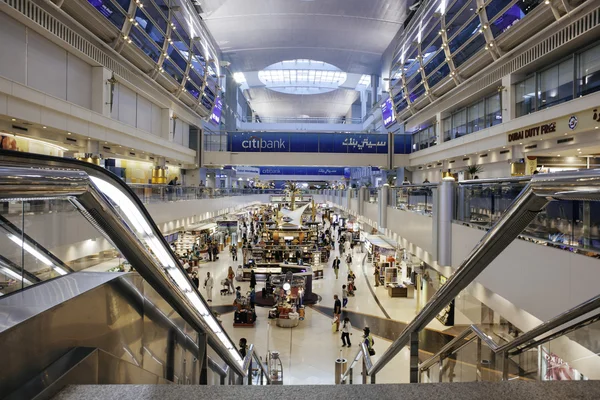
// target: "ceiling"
[[349, 34], [268, 103]]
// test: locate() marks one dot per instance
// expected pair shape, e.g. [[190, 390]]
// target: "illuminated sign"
[[532, 132]]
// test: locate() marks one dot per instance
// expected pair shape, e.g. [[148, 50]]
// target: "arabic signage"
[[320, 171], [387, 110], [246, 142], [586, 120]]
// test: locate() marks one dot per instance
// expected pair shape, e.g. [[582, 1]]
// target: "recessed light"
[[43, 127], [566, 134], [132, 149], [13, 119], [521, 143], [558, 155], [503, 147], [120, 146], [595, 127], [105, 142], [89, 138], [68, 133], [578, 149]]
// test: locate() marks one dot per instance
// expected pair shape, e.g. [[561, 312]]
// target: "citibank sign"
[[258, 143]]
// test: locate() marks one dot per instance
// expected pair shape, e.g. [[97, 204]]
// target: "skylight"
[[302, 77], [365, 80]]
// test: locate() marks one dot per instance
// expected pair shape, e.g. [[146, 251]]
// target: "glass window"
[[589, 71], [434, 62], [110, 11], [476, 44], [198, 63], [476, 117], [459, 123], [454, 25], [156, 15], [494, 110], [144, 43], [495, 7], [206, 103], [180, 31], [124, 4], [438, 75], [414, 82], [452, 8], [190, 87], [209, 93], [431, 49], [416, 93], [447, 127], [147, 25], [555, 85], [411, 65], [525, 96], [510, 17], [465, 34], [177, 58], [172, 70], [196, 78], [431, 36]]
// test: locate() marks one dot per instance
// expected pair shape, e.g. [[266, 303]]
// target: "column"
[[103, 89], [382, 204], [507, 99], [439, 128], [166, 124], [159, 172], [348, 198], [443, 221], [92, 152], [362, 195], [374, 89], [231, 100]]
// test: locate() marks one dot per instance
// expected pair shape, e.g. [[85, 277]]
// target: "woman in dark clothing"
[[252, 280]]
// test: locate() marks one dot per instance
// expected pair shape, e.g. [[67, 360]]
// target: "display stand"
[[244, 316]]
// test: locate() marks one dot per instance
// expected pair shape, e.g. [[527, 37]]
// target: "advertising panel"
[[387, 110]]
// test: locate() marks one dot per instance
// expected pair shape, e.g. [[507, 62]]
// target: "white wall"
[[418, 228], [371, 211]]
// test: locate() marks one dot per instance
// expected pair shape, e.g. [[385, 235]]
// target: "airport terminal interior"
[[427, 215]]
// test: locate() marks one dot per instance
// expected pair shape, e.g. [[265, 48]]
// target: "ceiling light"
[[578, 149], [558, 155], [43, 127], [13, 119], [68, 133]]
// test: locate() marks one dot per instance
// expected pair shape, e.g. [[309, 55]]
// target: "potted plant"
[[473, 170]]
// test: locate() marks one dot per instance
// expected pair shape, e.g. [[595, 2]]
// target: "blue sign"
[[246, 142], [321, 171], [402, 144], [215, 117], [387, 110]]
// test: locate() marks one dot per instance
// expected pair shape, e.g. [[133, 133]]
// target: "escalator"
[[58, 326]]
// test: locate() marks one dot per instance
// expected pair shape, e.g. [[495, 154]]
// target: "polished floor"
[[309, 351]]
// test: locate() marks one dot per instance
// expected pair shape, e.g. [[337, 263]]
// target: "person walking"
[[377, 278], [337, 312], [196, 280], [344, 296], [336, 266], [215, 252], [208, 285], [230, 276], [349, 261], [252, 280], [346, 332], [368, 339]]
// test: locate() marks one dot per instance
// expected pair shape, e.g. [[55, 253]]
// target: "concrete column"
[[507, 99], [363, 103], [101, 91], [443, 221], [166, 124], [383, 205], [374, 89], [439, 128], [362, 195], [348, 198]]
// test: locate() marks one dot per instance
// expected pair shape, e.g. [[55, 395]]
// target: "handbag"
[[371, 351]]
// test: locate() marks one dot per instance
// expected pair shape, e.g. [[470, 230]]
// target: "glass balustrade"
[[417, 199], [570, 225]]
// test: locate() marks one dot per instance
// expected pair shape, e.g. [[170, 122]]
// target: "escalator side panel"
[[115, 316]]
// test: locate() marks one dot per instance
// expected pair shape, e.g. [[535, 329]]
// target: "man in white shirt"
[[208, 285]]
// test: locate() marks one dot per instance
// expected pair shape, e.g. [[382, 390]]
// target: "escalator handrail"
[[28, 160], [542, 189]]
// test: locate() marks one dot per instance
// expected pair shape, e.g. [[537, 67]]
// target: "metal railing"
[[541, 190], [161, 193], [114, 209], [362, 354], [499, 363]]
